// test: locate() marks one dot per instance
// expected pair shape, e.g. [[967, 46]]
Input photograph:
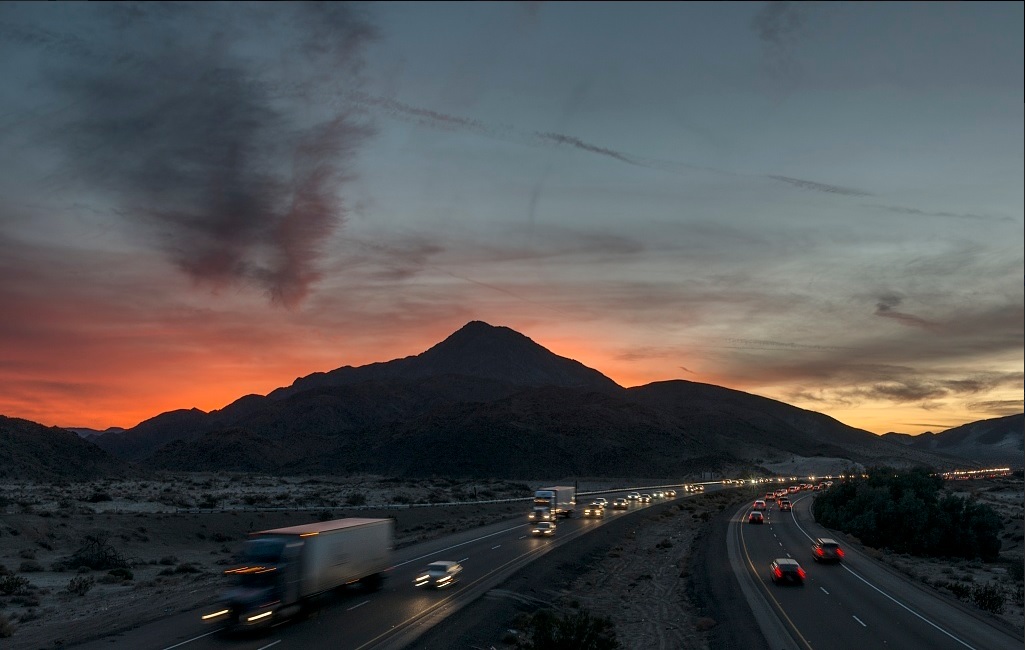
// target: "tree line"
[[906, 512]]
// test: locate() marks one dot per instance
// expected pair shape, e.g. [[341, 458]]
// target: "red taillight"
[[818, 551], [776, 572], [839, 552], [800, 572]]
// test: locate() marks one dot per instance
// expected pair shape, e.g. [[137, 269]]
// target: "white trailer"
[[561, 500], [286, 567]]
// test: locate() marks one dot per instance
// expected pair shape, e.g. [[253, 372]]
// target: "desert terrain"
[[173, 535]]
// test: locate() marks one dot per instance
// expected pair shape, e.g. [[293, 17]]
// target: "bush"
[[122, 573], [11, 585], [580, 631], [30, 566], [988, 597], [97, 497], [356, 499], [6, 629], [80, 585]]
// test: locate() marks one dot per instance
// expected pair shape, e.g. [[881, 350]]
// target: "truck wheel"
[[372, 582]]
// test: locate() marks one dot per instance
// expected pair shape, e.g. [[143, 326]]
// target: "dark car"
[[620, 504], [784, 505], [787, 571], [594, 510], [827, 550], [755, 517]]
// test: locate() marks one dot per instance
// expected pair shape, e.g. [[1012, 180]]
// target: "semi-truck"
[[552, 502], [285, 569]]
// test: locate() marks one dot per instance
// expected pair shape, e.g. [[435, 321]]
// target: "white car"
[[759, 505], [439, 575], [543, 529], [602, 501]]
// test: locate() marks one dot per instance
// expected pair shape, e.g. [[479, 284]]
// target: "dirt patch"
[[633, 570]]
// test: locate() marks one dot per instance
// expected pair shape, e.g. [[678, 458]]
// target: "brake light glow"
[[801, 573], [776, 572], [818, 551], [839, 552]]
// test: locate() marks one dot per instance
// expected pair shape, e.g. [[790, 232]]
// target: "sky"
[[819, 203]]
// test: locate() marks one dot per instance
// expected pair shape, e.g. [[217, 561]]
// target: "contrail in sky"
[[446, 122]]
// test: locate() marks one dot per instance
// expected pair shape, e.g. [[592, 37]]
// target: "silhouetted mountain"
[[31, 451], [148, 436], [85, 433], [488, 401], [475, 350], [997, 441]]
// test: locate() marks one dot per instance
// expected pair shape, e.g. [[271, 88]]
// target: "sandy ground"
[[636, 571]]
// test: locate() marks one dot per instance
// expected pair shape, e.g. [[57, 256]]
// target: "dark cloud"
[[949, 215], [885, 308], [174, 116], [998, 408], [818, 187], [778, 25]]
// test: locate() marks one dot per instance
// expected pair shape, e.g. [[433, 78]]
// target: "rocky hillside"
[[33, 452]]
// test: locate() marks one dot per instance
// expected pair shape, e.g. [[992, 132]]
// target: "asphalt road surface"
[[394, 616], [858, 603]]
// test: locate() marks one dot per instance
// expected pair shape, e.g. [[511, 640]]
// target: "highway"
[[395, 615], [859, 603]]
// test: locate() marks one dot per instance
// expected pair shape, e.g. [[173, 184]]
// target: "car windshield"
[[437, 567]]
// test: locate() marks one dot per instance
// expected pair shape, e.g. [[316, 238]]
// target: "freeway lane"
[[858, 603], [395, 615]]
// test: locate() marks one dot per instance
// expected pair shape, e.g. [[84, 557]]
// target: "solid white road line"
[[269, 645], [360, 605], [447, 548], [858, 620], [494, 547], [192, 639], [824, 590]]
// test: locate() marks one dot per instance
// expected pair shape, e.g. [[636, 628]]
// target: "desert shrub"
[[579, 631], [30, 566], [665, 543], [187, 567], [208, 501], [168, 560], [324, 515], [11, 585], [27, 554], [1016, 571], [988, 597], [97, 553], [80, 585], [6, 629], [356, 499], [960, 589], [121, 573], [97, 497]]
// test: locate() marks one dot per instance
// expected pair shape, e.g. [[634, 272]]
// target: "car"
[[594, 510], [759, 505], [620, 504], [543, 529], [755, 517], [634, 496], [785, 505], [770, 496], [826, 549], [602, 501], [671, 494], [658, 494], [438, 575], [786, 571], [645, 498]]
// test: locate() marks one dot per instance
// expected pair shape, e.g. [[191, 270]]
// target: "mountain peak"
[[479, 349]]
